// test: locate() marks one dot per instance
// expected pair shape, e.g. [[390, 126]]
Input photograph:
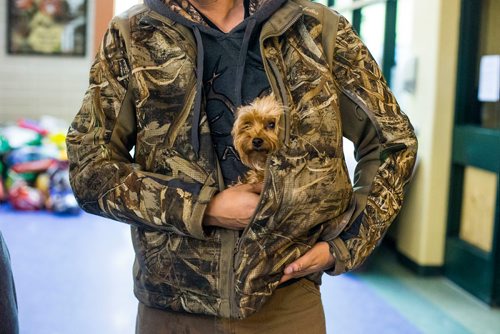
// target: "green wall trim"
[[467, 106], [356, 20], [476, 146], [389, 57], [455, 197], [470, 268], [496, 249]]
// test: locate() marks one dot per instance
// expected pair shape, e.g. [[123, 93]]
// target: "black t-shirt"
[[221, 62]]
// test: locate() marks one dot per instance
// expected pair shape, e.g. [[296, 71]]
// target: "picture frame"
[[47, 27]]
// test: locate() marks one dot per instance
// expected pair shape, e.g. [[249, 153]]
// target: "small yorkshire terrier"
[[256, 134]]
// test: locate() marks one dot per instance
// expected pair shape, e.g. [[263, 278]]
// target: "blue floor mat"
[[351, 307], [74, 276]]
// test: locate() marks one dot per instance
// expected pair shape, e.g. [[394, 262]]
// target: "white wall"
[[122, 5], [31, 86], [434, 43]]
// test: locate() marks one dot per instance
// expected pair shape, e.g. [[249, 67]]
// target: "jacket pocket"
[[333, 228], [174, 265]]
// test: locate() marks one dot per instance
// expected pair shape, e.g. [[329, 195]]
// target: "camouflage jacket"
[[142, 94]]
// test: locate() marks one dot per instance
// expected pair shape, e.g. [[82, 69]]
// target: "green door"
[[472, 257]]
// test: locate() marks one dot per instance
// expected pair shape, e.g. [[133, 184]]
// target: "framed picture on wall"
[[47, 27]]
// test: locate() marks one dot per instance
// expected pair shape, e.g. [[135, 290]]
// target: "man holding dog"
[[248, 258]]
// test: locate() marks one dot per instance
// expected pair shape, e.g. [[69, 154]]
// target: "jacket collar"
[[282, 19], [274, 25]]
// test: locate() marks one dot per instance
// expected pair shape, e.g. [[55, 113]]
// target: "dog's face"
[[256, 131]]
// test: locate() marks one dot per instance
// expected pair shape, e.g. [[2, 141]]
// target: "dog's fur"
[[256, 134]]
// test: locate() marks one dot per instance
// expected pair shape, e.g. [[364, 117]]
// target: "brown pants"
[[296, 308]]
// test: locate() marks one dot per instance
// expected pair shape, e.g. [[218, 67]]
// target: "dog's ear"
[[275, 108]]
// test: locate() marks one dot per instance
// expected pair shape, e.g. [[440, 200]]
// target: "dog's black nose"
[[257, 142]]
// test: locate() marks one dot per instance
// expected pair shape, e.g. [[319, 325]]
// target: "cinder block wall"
[[41, 85]]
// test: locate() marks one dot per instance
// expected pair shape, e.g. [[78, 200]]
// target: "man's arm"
[[104, 178], [385, 149]]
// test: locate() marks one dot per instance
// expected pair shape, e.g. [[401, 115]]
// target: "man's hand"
[[233, 207], [318, 258]]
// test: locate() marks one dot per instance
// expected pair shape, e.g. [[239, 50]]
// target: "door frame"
[[476, 270]]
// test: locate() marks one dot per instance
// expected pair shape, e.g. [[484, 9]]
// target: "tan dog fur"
[[258, 120]]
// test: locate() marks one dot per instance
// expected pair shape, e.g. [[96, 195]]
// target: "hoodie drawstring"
[[242, 57], [195, 127]]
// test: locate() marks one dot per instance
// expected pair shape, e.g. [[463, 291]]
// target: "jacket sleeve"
[[385, 151], [103, 175]]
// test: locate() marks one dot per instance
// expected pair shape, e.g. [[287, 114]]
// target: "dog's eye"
[[271, 125]]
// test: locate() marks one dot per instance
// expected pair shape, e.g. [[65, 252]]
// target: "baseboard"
[[417, 268]]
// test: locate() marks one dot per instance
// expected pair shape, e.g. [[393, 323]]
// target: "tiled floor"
[[73, 276], [433, 304]]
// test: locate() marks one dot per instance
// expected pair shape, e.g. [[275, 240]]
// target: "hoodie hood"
[[183, 12]]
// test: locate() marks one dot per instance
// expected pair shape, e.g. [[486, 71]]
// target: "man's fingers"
[[285, 278], [301, 264], [314, 260], [297, 274], [292, 268]]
